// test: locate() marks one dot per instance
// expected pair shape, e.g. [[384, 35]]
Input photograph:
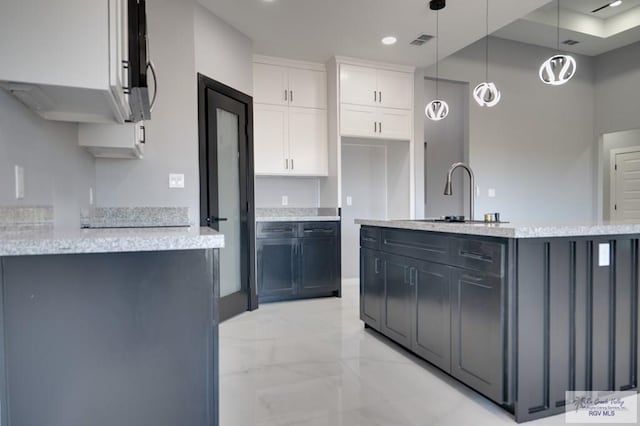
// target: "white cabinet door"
[[358, 85], [271, 139], [357, 120], [270, 84], [113, 140], [395, 89], [394, 124], [307, 88], [308, 150]]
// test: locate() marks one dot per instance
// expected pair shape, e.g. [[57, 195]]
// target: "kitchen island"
[[109, 327], [520, 313]]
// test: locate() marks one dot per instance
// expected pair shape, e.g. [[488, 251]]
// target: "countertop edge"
[[509, 231]]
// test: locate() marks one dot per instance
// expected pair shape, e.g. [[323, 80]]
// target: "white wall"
[[301, 192], [57, 171], [617, 90], [176, 31], [222, 52], [537, 147]]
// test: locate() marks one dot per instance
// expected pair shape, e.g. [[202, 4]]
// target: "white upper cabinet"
[[270, 84], [271, 139], [307, 88], [64, 58], [395, 123], [360, 85], [308, 149], [285, 85], [113, 140], [290, 118], [358, 120], [395, 89]]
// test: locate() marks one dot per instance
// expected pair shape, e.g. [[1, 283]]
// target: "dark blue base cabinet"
[[128, 339], [519, 320], [297, 260]]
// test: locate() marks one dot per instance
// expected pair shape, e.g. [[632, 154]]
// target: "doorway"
[[225, 126], [625, 184]]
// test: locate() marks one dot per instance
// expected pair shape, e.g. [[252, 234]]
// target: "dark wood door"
[[226, 189], [477, 343], [399, 304], [432, 333], [277, 268], [371, 287], [318, 265]]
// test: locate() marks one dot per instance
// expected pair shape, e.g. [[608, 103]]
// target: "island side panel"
[[576, 319], [119, 338]]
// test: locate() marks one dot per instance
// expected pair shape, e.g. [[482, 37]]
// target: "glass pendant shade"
[[557, 70], [486, 94], [436, 110]]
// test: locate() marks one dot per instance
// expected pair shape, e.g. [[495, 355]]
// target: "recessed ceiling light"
[[389, 40], [615, 3]]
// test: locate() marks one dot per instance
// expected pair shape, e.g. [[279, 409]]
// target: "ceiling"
[[597, 33], [316, 30]]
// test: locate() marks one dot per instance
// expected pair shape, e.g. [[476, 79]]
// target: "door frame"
[[230, 304], [612, 176]]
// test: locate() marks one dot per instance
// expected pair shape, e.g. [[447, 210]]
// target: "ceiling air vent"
[[421, 39], [570, 42]]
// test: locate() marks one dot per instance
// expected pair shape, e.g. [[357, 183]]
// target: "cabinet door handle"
[[286, 163], [470, 278], [376, 265], [475, 256], [285, 95], [143, 132], [290, 95], [292, 164], [380, 97], [369, 239], [412, 274], [375, 127], [375, 96], [380, 127]]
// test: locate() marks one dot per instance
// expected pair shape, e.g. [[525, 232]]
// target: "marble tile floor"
[[312, 363]]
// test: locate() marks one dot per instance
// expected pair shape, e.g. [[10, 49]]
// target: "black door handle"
[[216, 219]]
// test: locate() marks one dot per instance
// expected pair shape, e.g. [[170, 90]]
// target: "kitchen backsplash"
[[24, 217], [132, 217]]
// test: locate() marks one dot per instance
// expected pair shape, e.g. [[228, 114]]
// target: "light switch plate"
[[491, 192], [176, 180], [349, 200], [91, 196], [285, 200], [604, 254], [19, 179]]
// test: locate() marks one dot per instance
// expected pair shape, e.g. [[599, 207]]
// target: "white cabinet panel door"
[[358, 85], [308, 148], [626, 183], [307, 88], [271, 139], [395, 89], [270, 84], [356, 120], [395, 124]]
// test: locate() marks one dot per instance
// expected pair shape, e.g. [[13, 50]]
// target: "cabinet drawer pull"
[[470, 278], [369, 239], [319, 230], [278, 230], [376, 265], [476, 256]]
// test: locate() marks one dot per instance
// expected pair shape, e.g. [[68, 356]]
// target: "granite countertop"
[[21, 242], [512, 230], [297, 218]]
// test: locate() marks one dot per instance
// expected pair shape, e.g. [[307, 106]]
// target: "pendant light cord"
[[486, 45], [558, 29], [437, 48]]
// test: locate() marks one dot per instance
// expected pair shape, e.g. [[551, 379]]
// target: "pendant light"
[[559, 68], [437, 109], [486, 93]]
